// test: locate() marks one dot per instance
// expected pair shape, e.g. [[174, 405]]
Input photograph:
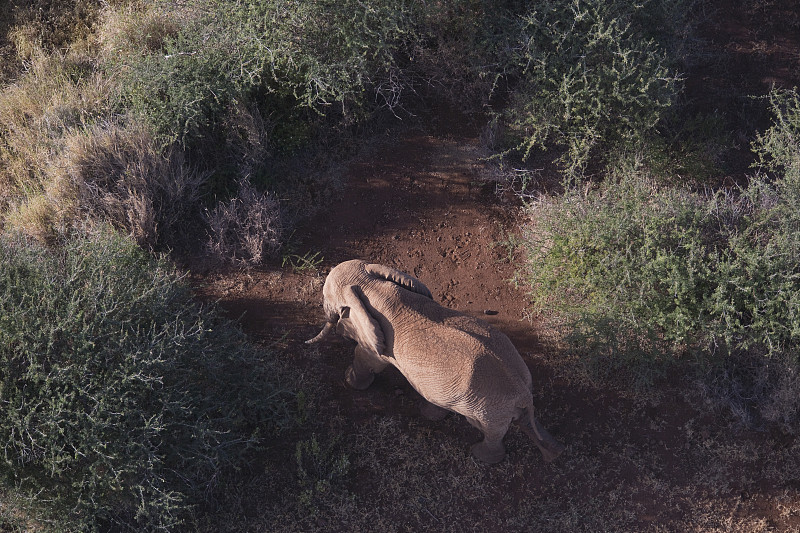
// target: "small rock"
[[490, 312]]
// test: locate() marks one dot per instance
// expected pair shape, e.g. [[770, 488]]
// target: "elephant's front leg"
[[361, 373]]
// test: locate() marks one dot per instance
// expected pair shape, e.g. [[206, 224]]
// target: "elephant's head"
[[346, 308]]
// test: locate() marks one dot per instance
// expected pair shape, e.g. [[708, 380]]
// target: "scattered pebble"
[[490, 312]]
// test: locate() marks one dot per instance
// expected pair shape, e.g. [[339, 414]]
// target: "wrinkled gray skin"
[[457, 363]]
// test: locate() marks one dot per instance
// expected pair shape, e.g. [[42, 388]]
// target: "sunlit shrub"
[[669, 269], [591, 78], [629, 267], [296, 61], [645, 276], [778, 148]]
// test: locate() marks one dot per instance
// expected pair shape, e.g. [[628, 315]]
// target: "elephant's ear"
[[401, 278], [358, 323]]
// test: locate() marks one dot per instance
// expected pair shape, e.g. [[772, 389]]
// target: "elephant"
[[457, 363]]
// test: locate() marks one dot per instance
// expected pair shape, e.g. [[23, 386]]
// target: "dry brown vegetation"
[[246, 229]]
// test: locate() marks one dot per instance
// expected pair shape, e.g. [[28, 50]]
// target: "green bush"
[[763, 290], [778, 148], [121, 399], [643, 277], [592, 77], [628, 266], [184, 89], [461, 53], [647, 275], [295, 61], [320, 468]]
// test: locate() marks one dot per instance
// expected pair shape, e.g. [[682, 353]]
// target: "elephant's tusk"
[[322, 334]]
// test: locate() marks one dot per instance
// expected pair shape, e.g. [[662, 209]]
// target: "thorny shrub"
[[591, 78], [121, 399], [297, 61], [462, 50], [778, 148]]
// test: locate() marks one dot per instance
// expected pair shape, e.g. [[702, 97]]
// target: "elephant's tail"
[[549, 446]]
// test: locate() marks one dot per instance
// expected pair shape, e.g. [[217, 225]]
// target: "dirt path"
[[417, 203]]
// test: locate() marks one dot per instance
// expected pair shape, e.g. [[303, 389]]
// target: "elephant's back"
[[492, 339], [441, 329], [466, 355]]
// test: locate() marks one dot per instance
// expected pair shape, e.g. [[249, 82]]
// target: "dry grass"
[[139, 27], [247, 140], [56, 24], [38, 115], [68, 152], [759, 391], [247, 229], [66, 157], [122, 177], [40, 217]]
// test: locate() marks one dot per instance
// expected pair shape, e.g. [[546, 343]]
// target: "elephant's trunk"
[[322, 334]]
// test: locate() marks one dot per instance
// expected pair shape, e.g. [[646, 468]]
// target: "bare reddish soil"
[[418, 203], [415, 203]]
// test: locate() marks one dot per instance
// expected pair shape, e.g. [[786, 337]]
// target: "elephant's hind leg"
[[490, 449], [361, 373]]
